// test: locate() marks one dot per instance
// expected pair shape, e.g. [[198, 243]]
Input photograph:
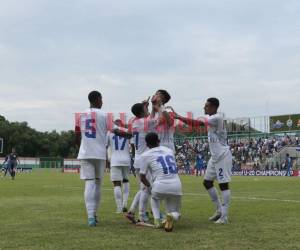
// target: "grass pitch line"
[[205, 195], [249, 198], [234, 197]]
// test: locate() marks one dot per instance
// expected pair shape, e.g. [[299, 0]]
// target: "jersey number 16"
[[168, 164]]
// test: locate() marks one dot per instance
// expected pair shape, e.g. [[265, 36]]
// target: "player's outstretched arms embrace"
[[189, 121]]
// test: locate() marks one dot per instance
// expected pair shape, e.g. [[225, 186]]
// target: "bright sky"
[[52, 53]]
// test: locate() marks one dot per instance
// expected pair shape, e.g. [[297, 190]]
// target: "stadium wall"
[[26, 162]]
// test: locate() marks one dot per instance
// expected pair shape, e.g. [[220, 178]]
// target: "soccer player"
[[165, 121], [120, 167], [139, 128], [220, 165], [91, 129], [199, 164], [160, 162], [288, 164], [187, 166], [12, 161]]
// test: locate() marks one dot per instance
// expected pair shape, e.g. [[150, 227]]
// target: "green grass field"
[[45, 210]]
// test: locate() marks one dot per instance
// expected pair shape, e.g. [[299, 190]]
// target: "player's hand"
[[173, 111], [146, 102]]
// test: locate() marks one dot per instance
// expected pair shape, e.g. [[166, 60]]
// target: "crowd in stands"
[[248, 153]]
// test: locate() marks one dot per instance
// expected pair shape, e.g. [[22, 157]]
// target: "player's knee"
[[224, 186], [208, 184]]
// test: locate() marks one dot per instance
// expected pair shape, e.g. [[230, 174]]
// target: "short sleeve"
[[212, 120], [143, 161]]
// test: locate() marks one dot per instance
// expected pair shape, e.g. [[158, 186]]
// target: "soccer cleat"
[[169, 223], [92, 222], [144, 218], [124, 209], [222, 221], [131, 218], [217, 215]]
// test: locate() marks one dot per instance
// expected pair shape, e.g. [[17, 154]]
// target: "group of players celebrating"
[[149, 140]]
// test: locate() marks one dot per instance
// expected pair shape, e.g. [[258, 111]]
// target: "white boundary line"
[[249, 198]]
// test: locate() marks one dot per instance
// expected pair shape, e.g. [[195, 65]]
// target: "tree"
[[31, 143]]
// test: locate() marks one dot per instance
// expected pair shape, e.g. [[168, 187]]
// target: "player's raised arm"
[[121, 130], [157, 108], [165, 118], [189, 121], [122, 133]]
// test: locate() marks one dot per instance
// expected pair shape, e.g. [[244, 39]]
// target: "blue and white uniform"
[[120, 157], [220, 165], [92, 152]]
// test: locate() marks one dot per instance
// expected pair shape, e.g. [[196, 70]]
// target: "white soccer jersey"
[[93, 127], [167, 139], [217, 136], [165, 134], [161, 164], [140, 128], [120, 151]]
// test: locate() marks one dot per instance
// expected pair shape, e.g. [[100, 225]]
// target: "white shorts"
[[92, 169], [119, 173], [169, 187], [172, 202], [220, 171]]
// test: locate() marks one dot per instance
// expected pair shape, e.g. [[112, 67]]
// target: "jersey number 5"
[[90, 128]]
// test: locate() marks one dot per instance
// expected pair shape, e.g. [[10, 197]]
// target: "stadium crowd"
[[248, 153]]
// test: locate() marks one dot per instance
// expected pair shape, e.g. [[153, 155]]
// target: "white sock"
[[175, 215], [214, 197], [226, 200], [118, 197], [125, 193], [97, 194], [89, 198], [155, 205], [143, 202], [135, 202]]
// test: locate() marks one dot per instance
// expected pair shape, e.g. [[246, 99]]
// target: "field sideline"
[[45, 210]]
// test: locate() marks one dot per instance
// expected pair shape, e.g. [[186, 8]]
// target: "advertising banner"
[[284, 123]]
